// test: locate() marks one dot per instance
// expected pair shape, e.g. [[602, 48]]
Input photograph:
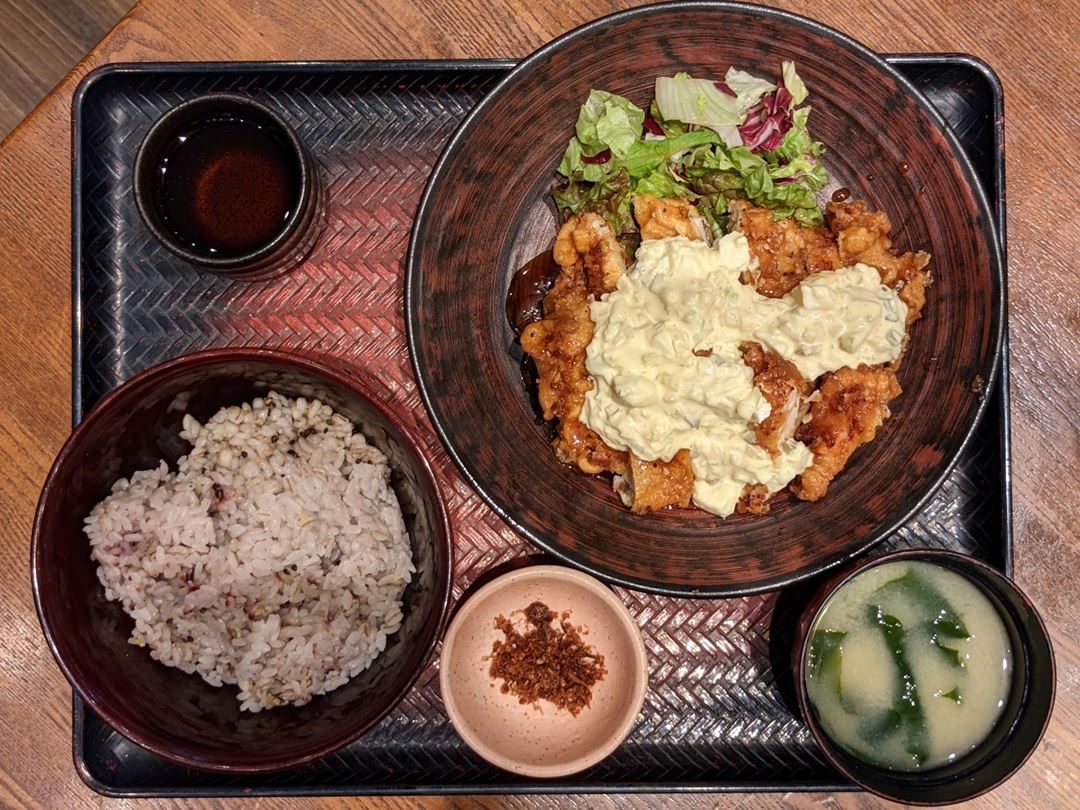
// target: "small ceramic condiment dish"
[[542, 741], [224, 182], [1017, 731]]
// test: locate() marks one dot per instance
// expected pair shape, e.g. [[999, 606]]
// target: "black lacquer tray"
[[719, 716]]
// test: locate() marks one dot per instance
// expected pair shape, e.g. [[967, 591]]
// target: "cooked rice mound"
[[274, 558]]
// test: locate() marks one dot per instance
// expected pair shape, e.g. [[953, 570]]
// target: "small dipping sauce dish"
[[925, 676], [225, 183]]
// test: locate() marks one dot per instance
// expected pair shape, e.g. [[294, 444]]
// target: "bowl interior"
[[487, 212], [518, 737], [173, 713], [1023, 719]]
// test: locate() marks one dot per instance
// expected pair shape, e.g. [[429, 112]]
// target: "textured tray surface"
[[718, 714]]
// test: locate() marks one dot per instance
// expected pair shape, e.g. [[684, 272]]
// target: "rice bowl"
[[274, 558]]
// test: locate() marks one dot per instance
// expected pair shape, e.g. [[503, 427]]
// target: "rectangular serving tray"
[[718, 716]]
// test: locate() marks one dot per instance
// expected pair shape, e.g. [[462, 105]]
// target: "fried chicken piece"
[[849, 407], [576, 443], [863, 236], [591, 263], [786, 252], [652, 485], [658, 218], [785, 389], [754, 500], [588, 240]]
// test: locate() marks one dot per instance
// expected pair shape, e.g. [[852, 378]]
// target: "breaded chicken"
[[658, 218], [588, 242], [848, 408], [786, 252], [845, 411], [754, 500], [590, 262], [863, 236], [785, 389], [652, 485]]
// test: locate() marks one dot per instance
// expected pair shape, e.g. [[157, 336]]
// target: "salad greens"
[[705, 141]]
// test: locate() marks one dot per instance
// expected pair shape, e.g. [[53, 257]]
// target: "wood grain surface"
[[1030, 45], [42, 40]]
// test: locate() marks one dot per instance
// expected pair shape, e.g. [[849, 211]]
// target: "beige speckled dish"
[[520, 738]]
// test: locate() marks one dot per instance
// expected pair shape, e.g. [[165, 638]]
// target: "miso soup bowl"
[[1022, 723]]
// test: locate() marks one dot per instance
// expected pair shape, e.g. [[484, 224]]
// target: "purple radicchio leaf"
[[768, 121]]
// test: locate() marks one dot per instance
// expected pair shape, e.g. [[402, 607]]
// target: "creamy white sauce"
[[652, 395], [959, 702]]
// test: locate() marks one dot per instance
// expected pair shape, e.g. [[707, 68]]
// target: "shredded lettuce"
[[709, 104], [609, 121], [793, 83], [709, 142]]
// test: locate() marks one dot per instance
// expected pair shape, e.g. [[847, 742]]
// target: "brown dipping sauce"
[[226, 186], [528, 287], [524, 305]]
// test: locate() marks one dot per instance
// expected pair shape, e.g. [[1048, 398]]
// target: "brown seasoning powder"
[[548, 662]]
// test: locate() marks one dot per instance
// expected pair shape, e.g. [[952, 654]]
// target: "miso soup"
[[909, 666]]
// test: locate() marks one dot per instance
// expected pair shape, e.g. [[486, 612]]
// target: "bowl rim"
[[824, 594], [617, 607], [355, 380], [992, 362]]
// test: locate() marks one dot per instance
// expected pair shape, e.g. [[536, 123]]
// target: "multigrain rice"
[[274, 558]]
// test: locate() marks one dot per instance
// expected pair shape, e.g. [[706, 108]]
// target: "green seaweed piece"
[[914, 587], [825, 661], [882, 725], [906, 703], [953, 695], [953, 656], [825, 646]]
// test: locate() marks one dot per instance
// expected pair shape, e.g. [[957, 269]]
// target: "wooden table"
[[1033, 50]]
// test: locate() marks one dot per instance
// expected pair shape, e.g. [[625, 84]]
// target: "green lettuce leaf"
[[700, 157], [644, 156], [793, 83], [610, 197], [660, 182], [605, 121], [670, 128]]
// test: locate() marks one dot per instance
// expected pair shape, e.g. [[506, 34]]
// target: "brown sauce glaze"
[[528, 288]]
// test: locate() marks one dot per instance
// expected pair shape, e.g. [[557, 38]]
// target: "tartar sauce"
[[667, 372]]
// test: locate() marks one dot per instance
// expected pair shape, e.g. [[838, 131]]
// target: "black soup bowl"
[[1023, 719]]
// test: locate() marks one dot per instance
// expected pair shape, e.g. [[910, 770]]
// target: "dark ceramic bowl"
[[298, 232], [173, 714], [487, 212], [1022, 723]]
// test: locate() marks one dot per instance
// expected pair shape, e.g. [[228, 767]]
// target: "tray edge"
[[1000, 388]]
